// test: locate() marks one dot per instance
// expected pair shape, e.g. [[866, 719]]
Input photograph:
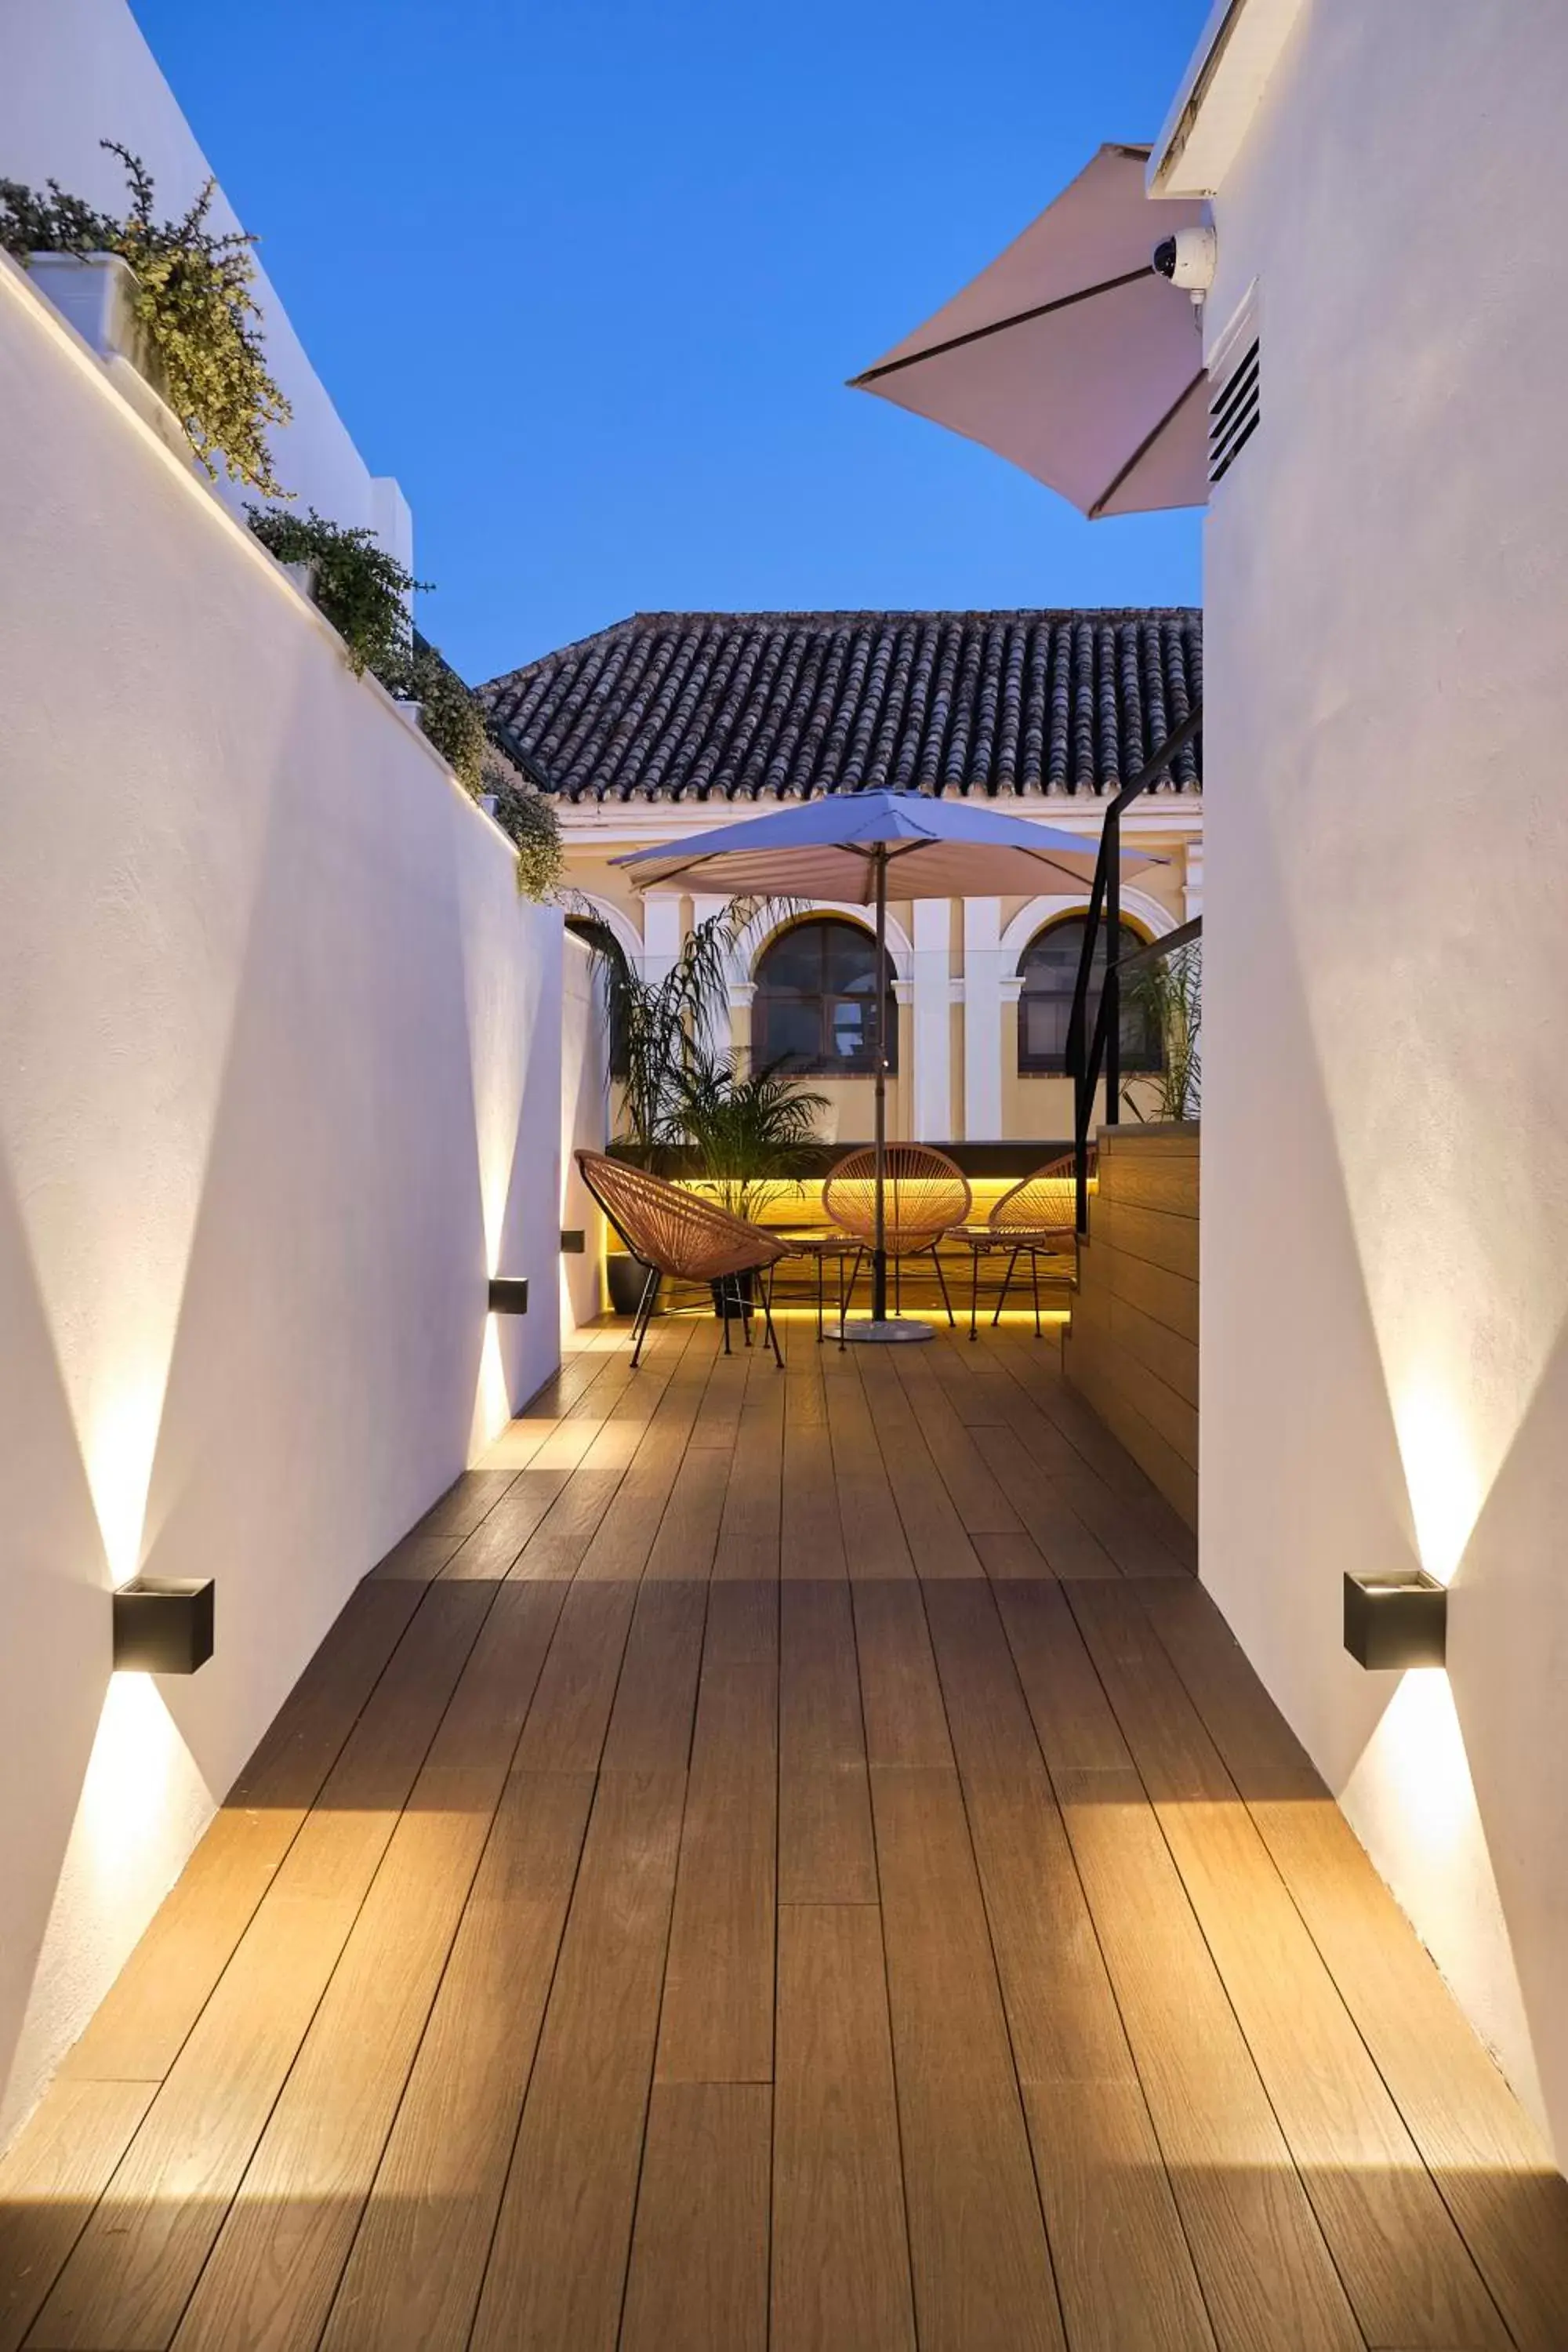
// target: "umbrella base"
[[884, 1334]]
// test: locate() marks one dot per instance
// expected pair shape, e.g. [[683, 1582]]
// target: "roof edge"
[[1236, 55]]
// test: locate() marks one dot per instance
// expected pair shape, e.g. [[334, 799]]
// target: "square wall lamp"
[[1394, 1622], [508, 1294], [162, 1627]]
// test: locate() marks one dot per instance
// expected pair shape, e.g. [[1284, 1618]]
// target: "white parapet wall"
[[280, 1089], [584, 1124], [1386, 1106]]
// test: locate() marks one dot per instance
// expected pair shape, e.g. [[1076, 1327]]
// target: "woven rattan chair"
[[677, 1234], [924, 1194], [1038, 1218]]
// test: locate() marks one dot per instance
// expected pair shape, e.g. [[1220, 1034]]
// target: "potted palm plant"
[[1170, 993], [752, 1134]]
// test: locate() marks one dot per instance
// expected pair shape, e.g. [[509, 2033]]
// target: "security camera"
[[1187, 259]]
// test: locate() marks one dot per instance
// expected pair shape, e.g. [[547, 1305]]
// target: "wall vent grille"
[[1233, 401]]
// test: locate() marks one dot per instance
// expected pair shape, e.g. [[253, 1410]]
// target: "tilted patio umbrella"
[[844, 845], [1070, 355]]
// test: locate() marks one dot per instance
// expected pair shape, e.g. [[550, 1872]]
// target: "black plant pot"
[[624, 1277], [734, 1284]]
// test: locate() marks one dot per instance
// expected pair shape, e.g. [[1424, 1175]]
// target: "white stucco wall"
[[584, 1126], [1385, 1113], [279, 1087], [73, 73]]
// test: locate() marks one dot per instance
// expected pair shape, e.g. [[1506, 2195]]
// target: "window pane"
[[788, 1026], [816, 999], [850, 958]]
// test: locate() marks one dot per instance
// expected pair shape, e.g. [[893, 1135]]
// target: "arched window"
[[816, 1003], [1050, 971]]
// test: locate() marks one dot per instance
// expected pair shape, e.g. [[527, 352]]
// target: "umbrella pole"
[[880, 1250]]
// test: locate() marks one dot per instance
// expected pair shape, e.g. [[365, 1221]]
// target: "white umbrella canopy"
[[865, 848], [1070, 356]]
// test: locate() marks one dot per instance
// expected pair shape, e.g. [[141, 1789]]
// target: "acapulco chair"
[[678, 1236], [924, 1195], [1038, 1218]]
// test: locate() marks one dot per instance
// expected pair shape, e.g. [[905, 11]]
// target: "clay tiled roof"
[[734, 706]]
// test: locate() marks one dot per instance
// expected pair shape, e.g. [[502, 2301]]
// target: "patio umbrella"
[[844, 845], [1070, 356]]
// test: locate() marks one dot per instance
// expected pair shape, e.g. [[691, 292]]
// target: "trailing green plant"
[[659, 1028], [449, 716], [193, 296], [1170, 992], [752, 1132], [529, 816], [362, 588]]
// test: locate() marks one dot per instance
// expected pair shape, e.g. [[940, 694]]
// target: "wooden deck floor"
[[788, 1860]]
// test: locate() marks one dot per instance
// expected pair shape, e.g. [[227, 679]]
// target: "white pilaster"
[[660, 932], [1193, 894], [931, 1092], [981, 1020]]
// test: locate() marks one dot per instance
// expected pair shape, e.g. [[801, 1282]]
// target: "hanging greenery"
[[193, 296], [362, 590], [448, 715], [529, 816]]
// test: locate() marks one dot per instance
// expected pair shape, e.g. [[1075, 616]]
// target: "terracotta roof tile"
[[735, 705]]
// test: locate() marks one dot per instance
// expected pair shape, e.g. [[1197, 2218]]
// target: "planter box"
[[95, 294], [302, 576]]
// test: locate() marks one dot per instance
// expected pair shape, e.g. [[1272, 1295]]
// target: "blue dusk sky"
[[588, 277]]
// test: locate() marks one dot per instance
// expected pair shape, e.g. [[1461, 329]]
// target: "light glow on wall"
[[1447, 1490], [119, 1440]]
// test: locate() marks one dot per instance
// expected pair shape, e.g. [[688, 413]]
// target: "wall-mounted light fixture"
[[1393, 1622], [508, 1294], [574, 1241], [163, 1626]]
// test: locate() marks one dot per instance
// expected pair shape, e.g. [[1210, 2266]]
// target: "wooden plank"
[[1169, 1181], [137, 2260], [980, 1502], [1096, 1359], [840, 2250], [1156, 1350], [826, 1850], [977, 2242], [1170, 1300], [650, 1724], [875, 1542], [933, 1528], [1489, 2163], [501, 1534], [749, 1529], [471, 1494], [719, 1418], [1012, 1556], [624, 1535], [571, 1711], [717, 2025], [555, 1549], [698, 2273], [688, 1533], [557, 2266], [1150, 1233], [413, 2279], [1069, 1548], [1267, 2276], [1067, 1707], [811, 1532], [1403, 2266], [906, 1723], [1173, 1473], [50, 2179]]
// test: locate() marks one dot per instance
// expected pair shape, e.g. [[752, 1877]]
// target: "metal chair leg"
[[1006, 1286], [644, 1315], [820, 1274], [1034, 1270], [898, 1286], [724, 1311], [770, 1336], [941, 1285], [974, 1293], [843, 1300], [742, 1310]]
